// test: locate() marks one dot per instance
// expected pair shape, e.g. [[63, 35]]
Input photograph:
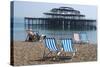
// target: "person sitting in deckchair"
[[30, 36]]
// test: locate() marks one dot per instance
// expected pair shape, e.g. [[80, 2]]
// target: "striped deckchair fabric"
[[67, 45], [50, 43], [83, 38]]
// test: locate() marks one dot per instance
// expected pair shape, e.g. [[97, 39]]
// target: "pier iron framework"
[[62, 17]]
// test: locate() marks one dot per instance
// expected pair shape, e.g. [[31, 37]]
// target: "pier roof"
[[64, 9]]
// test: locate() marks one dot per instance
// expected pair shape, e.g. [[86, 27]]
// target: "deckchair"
[[76, 38], [67, 46], [84, 38], [80, 38], [50, 43], [32, 38]]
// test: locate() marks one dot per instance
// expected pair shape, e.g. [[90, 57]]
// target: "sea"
[[19, 32]]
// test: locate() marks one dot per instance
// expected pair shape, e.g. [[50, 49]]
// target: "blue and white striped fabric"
[[83, 37], [51, 44], [67, 45]]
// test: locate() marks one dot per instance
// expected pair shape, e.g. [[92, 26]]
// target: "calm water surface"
[[20, 33]]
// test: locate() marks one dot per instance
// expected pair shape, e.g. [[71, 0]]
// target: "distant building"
[[64, 17]]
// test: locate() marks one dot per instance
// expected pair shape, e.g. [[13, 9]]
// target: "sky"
[[36, 9]]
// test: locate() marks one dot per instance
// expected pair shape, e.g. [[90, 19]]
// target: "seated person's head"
[[30, 32]]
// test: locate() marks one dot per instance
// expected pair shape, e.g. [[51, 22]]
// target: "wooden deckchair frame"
[[50, 52]]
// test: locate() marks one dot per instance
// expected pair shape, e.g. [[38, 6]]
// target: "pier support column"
[[68, 24], [28, 24], [63, 24], [32, 23]]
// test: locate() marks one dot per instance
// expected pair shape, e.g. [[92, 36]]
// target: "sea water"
[[20, 33]]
